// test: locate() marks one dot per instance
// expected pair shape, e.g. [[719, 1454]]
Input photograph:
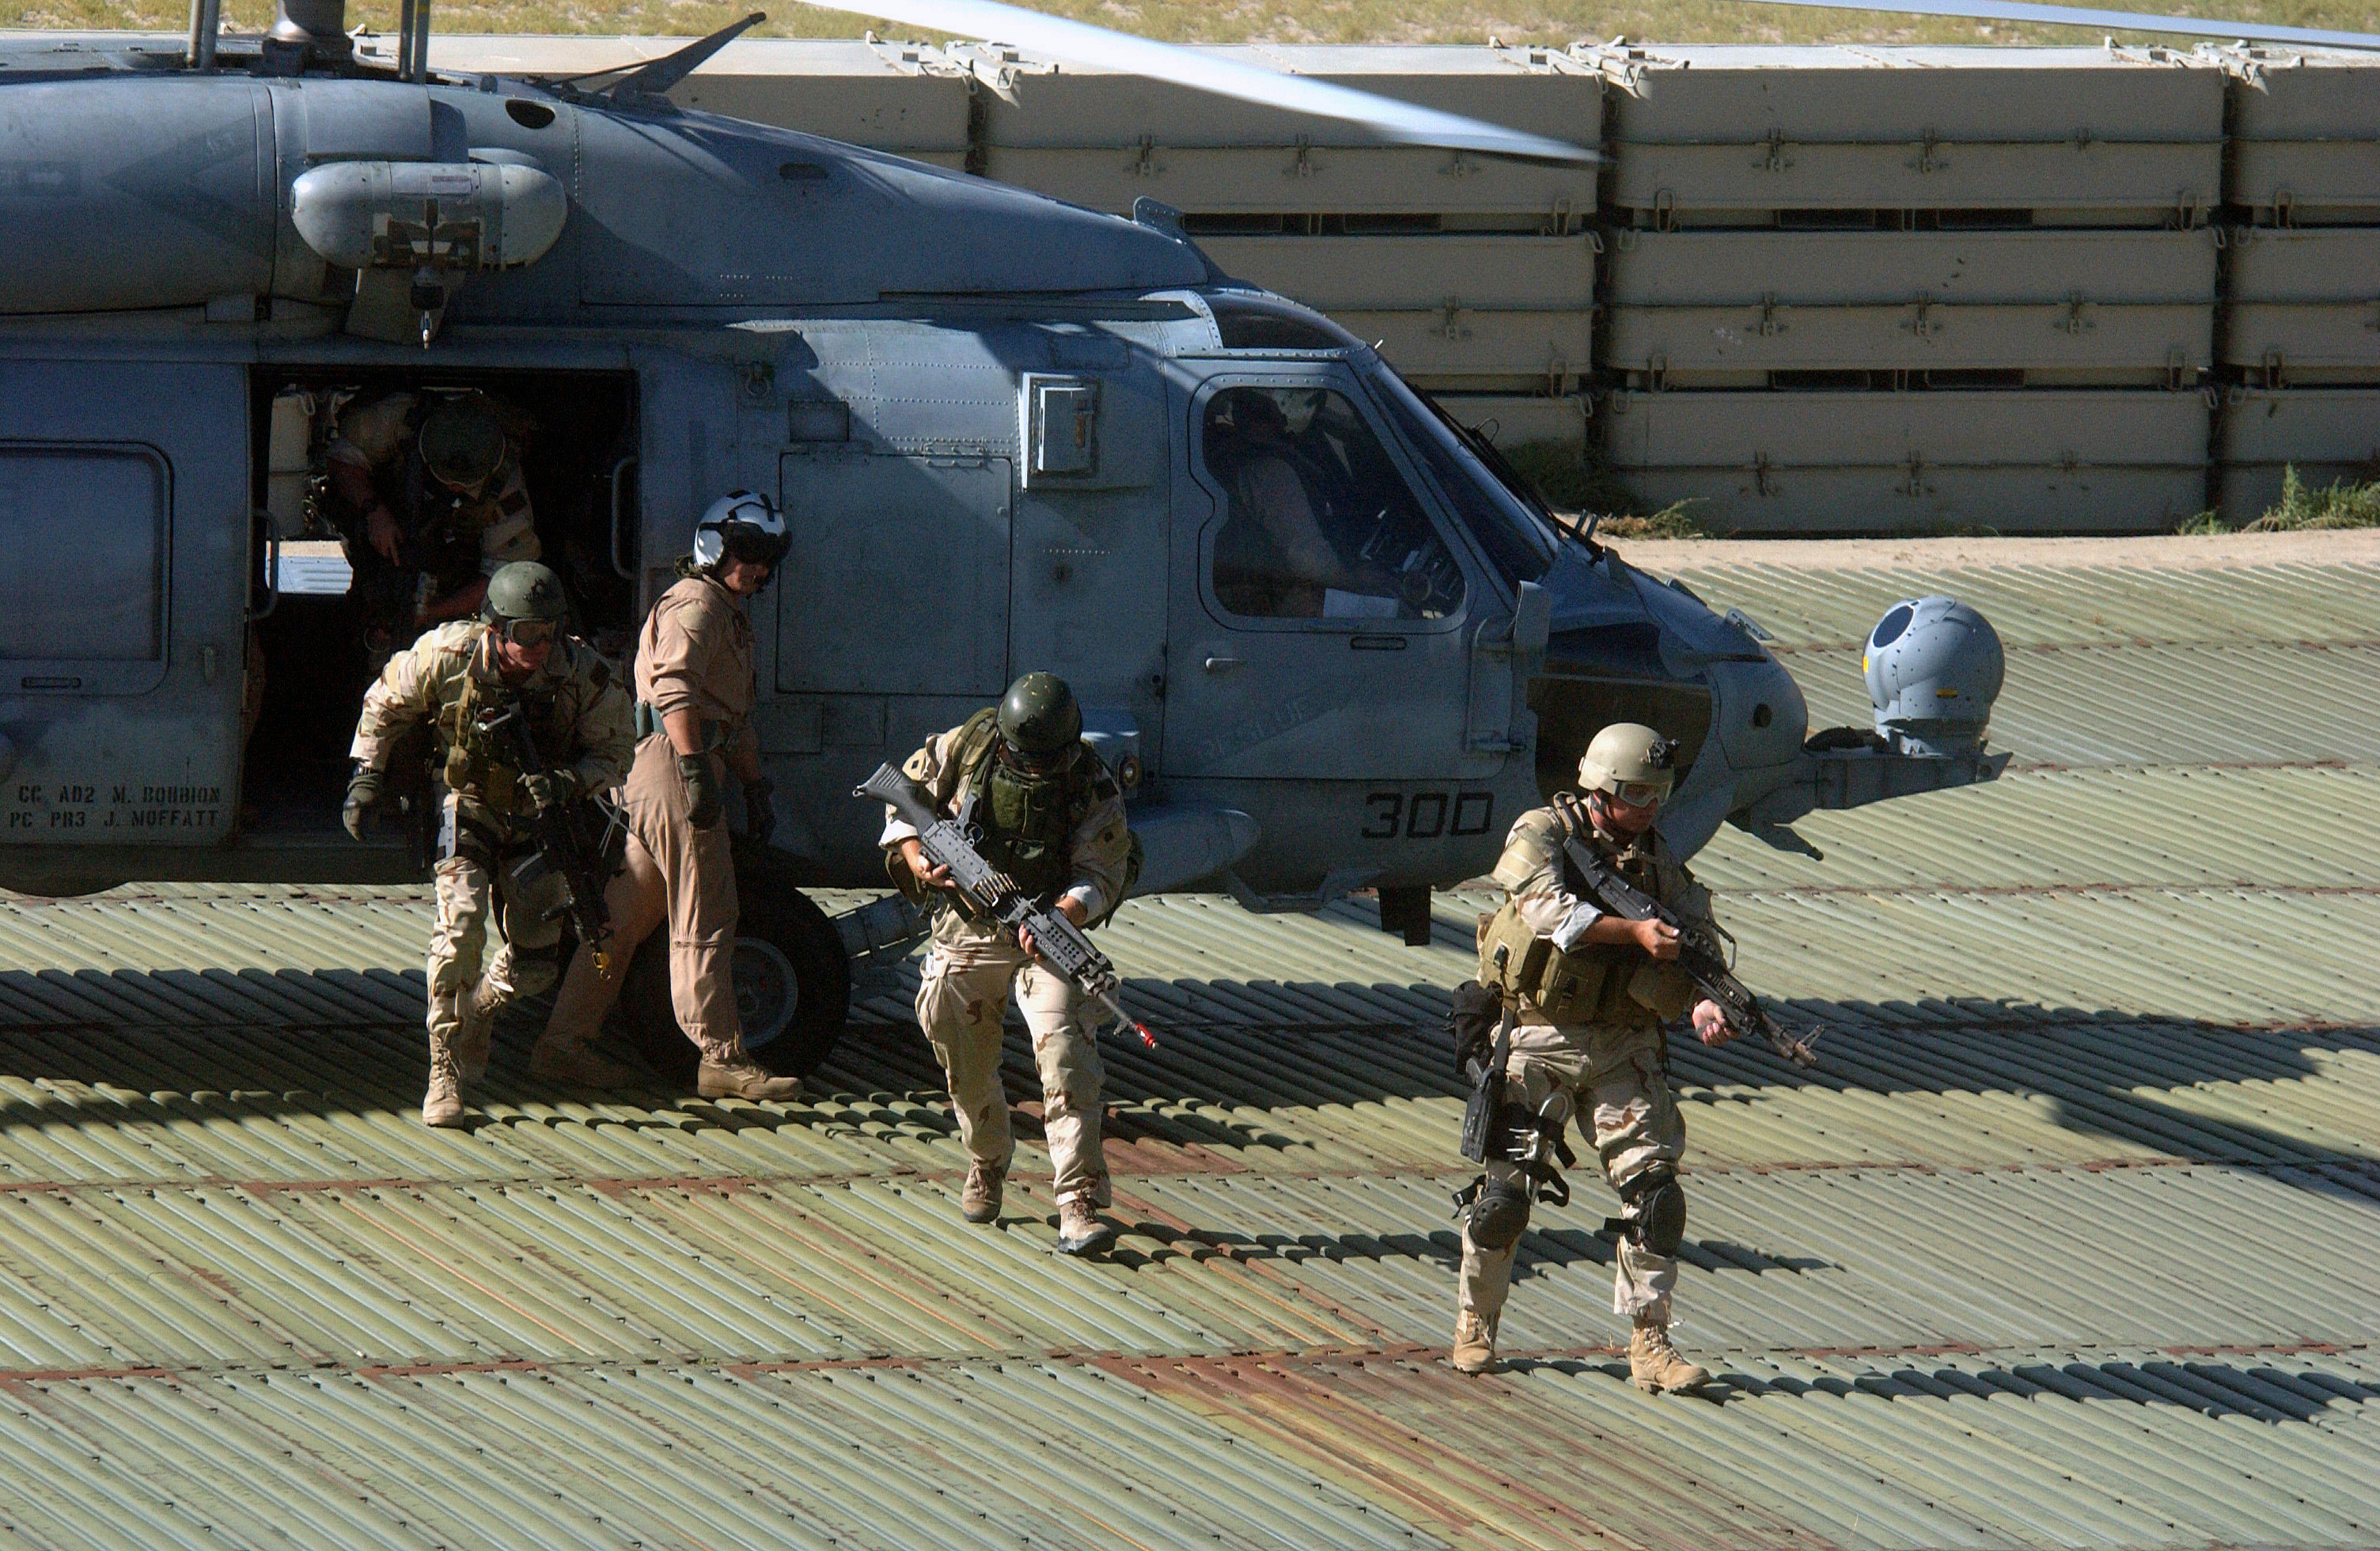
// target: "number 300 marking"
[[1427, 814]]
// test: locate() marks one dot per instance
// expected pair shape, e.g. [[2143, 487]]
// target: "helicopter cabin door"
[[894, 594], [124, 561], [1326, 638]]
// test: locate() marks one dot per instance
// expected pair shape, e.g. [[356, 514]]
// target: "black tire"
[[792, 982]]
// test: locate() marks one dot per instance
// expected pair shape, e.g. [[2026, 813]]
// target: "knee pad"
[[1655, 1216], [1499, 1212]]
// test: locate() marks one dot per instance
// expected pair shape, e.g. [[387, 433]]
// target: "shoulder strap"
[[968, 750]]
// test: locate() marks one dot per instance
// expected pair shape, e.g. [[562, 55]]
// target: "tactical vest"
[[479, 763], [1594, 983], [1027, 821]]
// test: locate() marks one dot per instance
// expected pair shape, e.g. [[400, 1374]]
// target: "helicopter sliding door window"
[[82, 565], [1318, 522]]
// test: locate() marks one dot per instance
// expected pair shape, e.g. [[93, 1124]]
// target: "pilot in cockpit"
[[1282, 552]]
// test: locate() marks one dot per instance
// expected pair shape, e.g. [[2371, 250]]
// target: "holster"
[[1482, 1135]]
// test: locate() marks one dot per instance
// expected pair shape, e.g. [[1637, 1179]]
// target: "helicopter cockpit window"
[[97, 597], [1319, 525], [1507, 523]]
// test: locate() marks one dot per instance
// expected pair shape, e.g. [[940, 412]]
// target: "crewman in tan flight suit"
[[1590, 991], [1051, 819], [694, 677], [455, 677]]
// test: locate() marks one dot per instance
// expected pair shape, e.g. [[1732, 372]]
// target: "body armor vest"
[[1589, 983], [1027, 821], [481, 764]]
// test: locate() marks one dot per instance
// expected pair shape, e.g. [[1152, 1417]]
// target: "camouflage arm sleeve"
[[1531, 872], [1102, 846], [607, 732], [405, 693]]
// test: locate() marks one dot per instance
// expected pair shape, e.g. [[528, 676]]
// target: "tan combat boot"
[[1080, 1231], [1655, 1364], [1475, 1343], [442, 1105], [741, 1077], [979, 1202], [557, 1058]]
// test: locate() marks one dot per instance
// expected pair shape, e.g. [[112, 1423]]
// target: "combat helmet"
[[461, 442], [524, 589], [1629, 761], [1039, 718]]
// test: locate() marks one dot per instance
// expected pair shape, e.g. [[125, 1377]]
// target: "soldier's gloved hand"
[[759, 813], [545, 788], [363, 791], [702, 794]]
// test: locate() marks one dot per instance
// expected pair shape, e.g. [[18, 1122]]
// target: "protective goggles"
[[530, 632], [1641, 794], [1036, 764]]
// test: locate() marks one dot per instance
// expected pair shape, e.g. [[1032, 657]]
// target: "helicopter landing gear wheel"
[[793, 983]]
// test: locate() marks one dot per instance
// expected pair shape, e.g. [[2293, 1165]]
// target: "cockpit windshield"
[[1507, 517]]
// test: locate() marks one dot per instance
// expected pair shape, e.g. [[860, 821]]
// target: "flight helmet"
[[744, 525], [1629, 761]]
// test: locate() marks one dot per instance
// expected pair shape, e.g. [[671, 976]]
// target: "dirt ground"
[[2165, 552]]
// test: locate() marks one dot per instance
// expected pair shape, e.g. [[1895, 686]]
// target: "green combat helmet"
[[524, 591], [461, 443], [1039, 718], [1631, 761]]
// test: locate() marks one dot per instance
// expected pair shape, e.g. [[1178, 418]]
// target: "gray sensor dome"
[[1934, 668]]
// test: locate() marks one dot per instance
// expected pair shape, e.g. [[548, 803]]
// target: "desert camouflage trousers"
[[1614, 1078], [962, 996], [468, 894]]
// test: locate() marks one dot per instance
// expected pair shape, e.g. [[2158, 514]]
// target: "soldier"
[[1588, 992], [431, 491], [455, 678], [694, 680], [1052, 819]]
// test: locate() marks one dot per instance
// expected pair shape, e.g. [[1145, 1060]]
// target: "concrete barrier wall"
[[1813, 290]]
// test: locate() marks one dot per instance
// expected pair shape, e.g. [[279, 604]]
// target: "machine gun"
[[564, 844], [1057, 941], [1699, 953]]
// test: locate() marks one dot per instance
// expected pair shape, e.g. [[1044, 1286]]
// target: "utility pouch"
[[1664, 988], [1471, 1023]]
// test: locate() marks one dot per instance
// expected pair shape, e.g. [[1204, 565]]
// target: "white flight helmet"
[[743, 524]]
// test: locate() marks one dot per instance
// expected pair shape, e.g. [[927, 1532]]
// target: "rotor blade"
[[1076, 42], [2130, 21]]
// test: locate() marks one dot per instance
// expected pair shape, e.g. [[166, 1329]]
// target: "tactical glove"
[[363, 791], [759, 813], [702, 794], [545, 788]]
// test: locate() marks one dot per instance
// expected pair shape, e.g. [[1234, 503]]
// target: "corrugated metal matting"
[[2070, 1240]]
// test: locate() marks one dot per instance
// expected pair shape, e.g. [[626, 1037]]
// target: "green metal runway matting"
[[2073, 1239]]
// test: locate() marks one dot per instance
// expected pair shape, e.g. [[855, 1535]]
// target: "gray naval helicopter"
[[1326, 638]]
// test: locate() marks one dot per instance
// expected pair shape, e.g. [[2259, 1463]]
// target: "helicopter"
[[1007, 433]]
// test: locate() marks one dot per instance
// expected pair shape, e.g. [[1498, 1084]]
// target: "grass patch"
[[2341, 504], [1673, 521], [1237, 22], [1579, 488]]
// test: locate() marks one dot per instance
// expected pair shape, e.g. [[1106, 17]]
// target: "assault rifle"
[[564, 844], [1699, 953], [1057, 941]]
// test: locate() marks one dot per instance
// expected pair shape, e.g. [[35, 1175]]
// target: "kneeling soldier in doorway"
[[1052, 819], [694, 675], [1585, 993], [458, 678]]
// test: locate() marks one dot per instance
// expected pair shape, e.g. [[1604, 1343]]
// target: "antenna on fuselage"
[[413, 40]]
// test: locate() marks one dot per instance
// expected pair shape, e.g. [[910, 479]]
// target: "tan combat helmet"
[[1629, 761]]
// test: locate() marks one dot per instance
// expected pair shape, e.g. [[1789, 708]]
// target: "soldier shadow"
[[2268, 1393]]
